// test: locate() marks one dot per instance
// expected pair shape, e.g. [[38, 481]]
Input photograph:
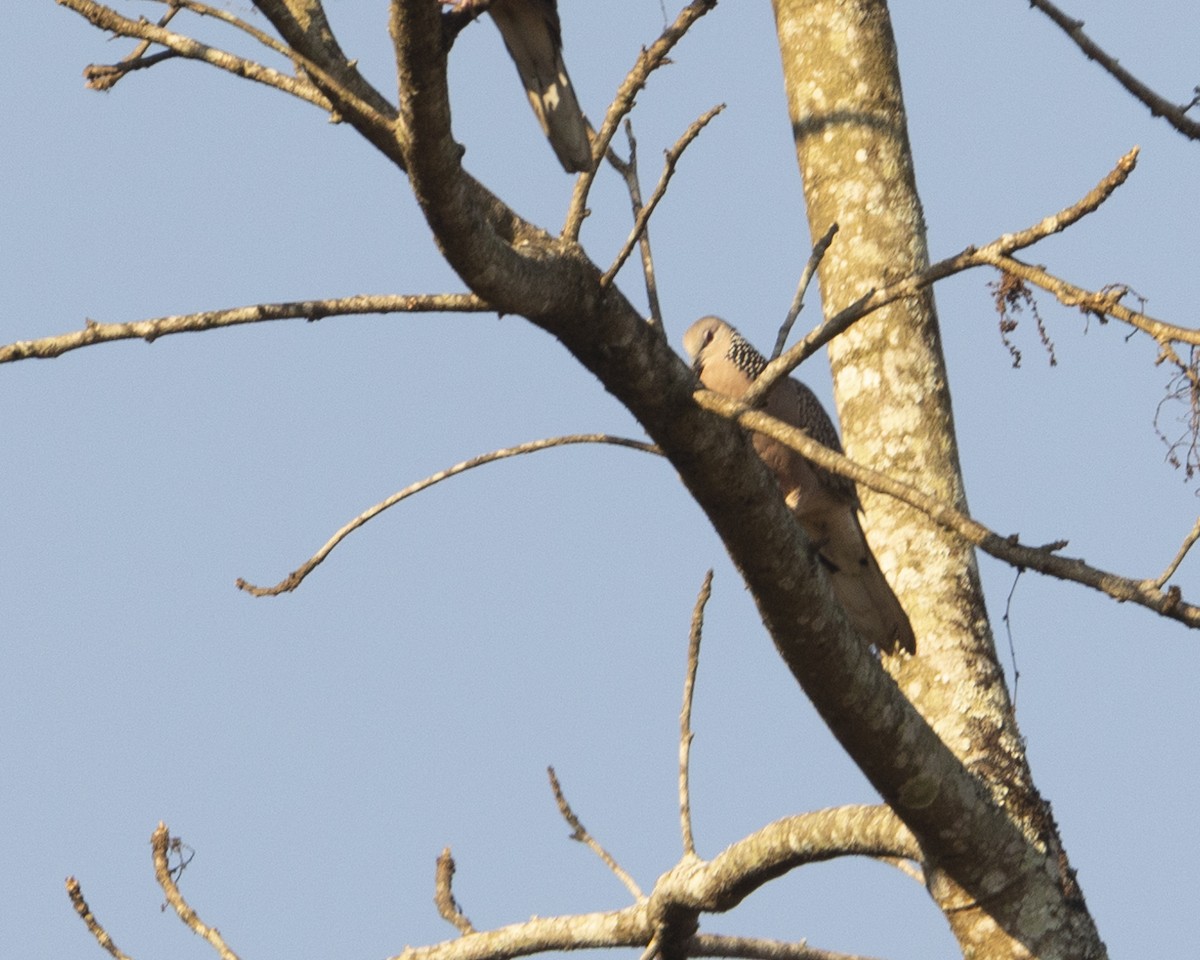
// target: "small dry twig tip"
[[443, 895], [75, 892], [579, 832], [162, 845]]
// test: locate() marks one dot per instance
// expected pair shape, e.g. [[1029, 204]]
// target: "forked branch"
[[109, 20], [989, 254], [650, 59]]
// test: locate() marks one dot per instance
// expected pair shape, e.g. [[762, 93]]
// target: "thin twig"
[[1188, 542], [443, 895], [1012, 644], [1174, 114], [629, 173], [685, 715], [46, 348], [133, 60], [104, 76], [653, 947], [75, 892], [649, 60], [806, 277], [644, 215], [906, 867], [579, 832], [991, 254], [1045, 559], [160, 844], [296, 577]]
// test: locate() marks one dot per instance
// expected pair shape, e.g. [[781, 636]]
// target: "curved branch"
[[694, 887], [46, 348], [297, 576], [1146, 592], [782, 846]]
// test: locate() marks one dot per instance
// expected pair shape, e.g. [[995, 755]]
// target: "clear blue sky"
[[320, 749]]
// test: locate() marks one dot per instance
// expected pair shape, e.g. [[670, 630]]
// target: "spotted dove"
[[825, 504]]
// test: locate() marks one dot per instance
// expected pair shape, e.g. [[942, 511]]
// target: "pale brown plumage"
[[533, 35], [826, 504]]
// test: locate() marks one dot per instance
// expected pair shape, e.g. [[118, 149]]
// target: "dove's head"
[[706, 340], [719, 353]]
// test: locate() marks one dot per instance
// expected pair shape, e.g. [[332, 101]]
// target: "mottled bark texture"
[[843, 86]]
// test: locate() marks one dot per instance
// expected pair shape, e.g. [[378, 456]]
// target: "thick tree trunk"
[[847, 113]]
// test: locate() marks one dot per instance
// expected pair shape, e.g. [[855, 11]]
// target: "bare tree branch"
[[685, 715], [1188, 542], [806, 278], [580, 834], [644, 215], [297, 576], [75, 892], [1174, 114], [102, 77], [1046, 559], [306, 31], [970, 257], [108, 19], [629, 173], [160, 844], [635, 81], [150, 330], [693, 887], [105, 78], [1101, 303]]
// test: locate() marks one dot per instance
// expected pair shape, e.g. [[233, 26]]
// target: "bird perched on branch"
[[825, 504], [533, 35]]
